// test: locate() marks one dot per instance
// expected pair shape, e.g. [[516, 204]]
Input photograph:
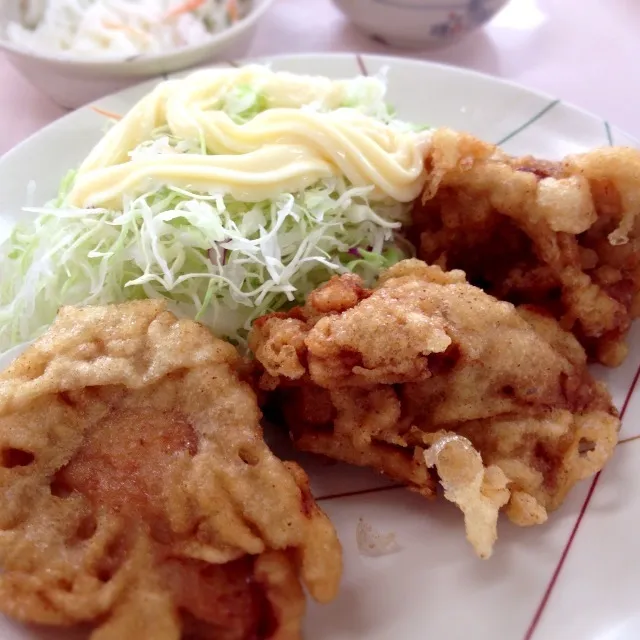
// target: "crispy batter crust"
[[561, 235], [428, 371], [137, 493]]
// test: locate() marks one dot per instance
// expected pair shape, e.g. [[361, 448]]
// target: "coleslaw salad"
[[110, 29]]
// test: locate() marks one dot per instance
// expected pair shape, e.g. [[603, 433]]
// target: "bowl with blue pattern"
[[415, 24]]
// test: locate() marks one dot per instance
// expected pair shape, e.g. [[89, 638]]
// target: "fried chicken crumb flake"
[[137, 493], [479, 492], [428, 379], [374, 543]]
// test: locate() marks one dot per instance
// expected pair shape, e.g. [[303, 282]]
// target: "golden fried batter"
[[137, 493], [565, 235], [429, 371]]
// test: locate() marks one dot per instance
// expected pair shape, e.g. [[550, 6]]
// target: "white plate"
[[574, 578]]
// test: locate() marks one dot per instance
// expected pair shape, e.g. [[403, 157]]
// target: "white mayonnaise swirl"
[[305, 135]]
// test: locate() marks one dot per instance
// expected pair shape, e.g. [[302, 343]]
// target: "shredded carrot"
[[185, 7], [118, 26], [107, 114], [232, 10]]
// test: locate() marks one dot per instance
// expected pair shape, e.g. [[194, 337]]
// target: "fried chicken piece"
[[561, 235], [137, 493], [428, 371]]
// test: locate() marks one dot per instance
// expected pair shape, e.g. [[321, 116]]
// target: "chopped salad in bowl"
[[78, 51], [122, 28]]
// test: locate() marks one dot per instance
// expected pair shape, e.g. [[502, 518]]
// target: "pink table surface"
[[582, 52]]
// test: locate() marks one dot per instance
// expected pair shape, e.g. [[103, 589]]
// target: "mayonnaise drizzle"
[[304, 136]]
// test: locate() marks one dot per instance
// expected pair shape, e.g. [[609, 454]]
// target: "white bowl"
[[415, 24], [72, 82]]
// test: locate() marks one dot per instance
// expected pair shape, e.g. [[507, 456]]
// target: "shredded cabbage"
[[213, 258]]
